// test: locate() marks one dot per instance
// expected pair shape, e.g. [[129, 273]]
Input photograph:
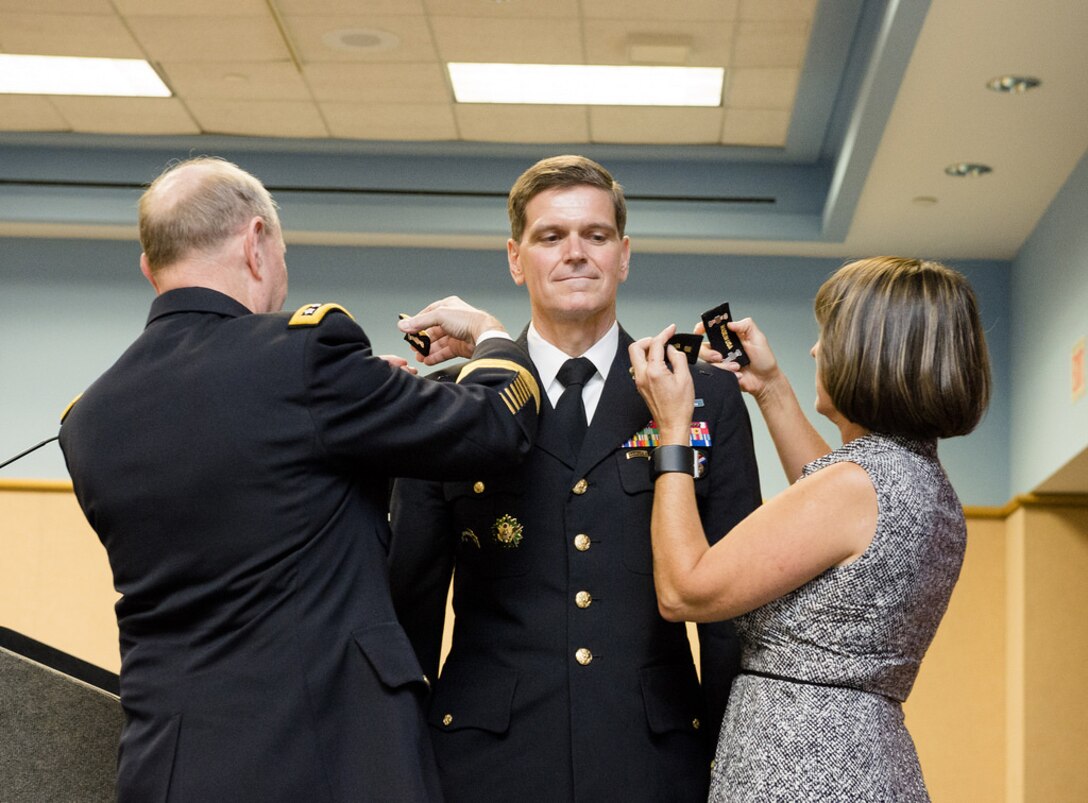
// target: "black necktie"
[[571, 411]]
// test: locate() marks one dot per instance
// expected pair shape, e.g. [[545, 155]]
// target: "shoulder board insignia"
[[313, 314], [68, 409]]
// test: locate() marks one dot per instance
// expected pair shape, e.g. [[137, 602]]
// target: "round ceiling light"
[[1013, 84], [961, 169], [360, 40]]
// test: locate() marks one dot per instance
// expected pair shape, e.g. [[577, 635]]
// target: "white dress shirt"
[[548, 360]]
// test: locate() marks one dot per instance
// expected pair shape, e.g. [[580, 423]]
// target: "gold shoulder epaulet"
[[313, 314], [68, 409]]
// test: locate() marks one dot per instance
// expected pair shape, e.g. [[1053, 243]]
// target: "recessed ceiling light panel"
[[965, 169], [1013, 84], [69, 75], [586, 84]]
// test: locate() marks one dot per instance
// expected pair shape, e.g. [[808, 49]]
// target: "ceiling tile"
[[259, 118], [777, 9], [378, 83], [607, 40], [210, 38], [404, 121], [241, 80], [761, 87], [761, 127], [485, 122], [126, 115], [332, 8], [193, 8], [656, 125], [771, 44], [503, 8], [660, 11], [30, 113], [516, 41], [414, 37], [66, 35]]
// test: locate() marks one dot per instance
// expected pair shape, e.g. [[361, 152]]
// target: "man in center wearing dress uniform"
[[563, 681]]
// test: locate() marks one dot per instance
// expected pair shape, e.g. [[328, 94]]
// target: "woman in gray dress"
[[837, 584]]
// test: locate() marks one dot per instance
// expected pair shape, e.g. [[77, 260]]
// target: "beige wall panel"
[[956, 712], [1055, 653], [55, 580]]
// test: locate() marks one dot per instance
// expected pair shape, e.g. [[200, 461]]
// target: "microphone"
[[11, 460]]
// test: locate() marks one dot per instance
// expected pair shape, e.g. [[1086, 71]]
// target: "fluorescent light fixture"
[[68, 75], [593, 85]]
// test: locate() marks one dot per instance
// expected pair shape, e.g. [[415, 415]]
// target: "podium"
[[60, 723]]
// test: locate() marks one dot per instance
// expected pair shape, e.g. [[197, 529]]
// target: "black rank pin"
[[687, 344], [420, 341], [721, 339]]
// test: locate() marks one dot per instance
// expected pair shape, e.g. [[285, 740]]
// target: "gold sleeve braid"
[[520, 390]]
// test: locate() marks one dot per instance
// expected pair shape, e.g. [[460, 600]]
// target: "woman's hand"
[[761, 372], [662, 377]]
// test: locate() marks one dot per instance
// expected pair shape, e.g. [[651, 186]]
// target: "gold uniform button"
[[583, 656], [582, 542], [580, 487], [583, 599], [427, 680], [478, 487], [695, 723], [448, 719]]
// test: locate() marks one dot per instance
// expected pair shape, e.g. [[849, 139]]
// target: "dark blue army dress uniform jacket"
[[236, 468], [564, 682]]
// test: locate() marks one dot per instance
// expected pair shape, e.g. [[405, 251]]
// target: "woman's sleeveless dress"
[[856, 634]]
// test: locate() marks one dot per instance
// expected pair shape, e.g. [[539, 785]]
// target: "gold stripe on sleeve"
[[506, 365]]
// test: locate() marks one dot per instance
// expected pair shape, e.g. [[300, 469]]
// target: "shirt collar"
[[548, 359]]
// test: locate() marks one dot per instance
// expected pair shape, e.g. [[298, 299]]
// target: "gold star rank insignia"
[[507, 530]]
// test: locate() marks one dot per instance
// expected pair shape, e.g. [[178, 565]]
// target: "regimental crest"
[[469, 537], [507, 531]]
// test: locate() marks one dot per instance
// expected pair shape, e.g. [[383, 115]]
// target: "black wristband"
[[674, 458]]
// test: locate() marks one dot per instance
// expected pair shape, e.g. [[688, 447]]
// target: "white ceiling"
[[279, 68], [264, 68]]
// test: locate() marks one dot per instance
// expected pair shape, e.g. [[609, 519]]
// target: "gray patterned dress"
[[850, 641]]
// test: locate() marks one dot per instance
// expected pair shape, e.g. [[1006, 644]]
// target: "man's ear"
[[625, 260], [512, 257], [145, 269], [251, 246]]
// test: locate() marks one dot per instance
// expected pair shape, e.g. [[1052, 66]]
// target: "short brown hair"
[[902, 349], [562, 171], [194, 205]]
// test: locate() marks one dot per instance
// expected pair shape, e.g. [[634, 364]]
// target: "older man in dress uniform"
[[235, 463]]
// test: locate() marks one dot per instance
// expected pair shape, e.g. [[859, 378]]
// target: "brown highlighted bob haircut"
[[902, 350]]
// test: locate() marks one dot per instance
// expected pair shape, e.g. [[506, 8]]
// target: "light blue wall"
[[1050, 311], [69, 307]]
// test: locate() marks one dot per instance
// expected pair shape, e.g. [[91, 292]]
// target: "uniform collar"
[[196, 299]]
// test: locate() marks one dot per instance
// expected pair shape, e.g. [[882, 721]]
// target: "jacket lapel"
[[549, 437], [620, 413]]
